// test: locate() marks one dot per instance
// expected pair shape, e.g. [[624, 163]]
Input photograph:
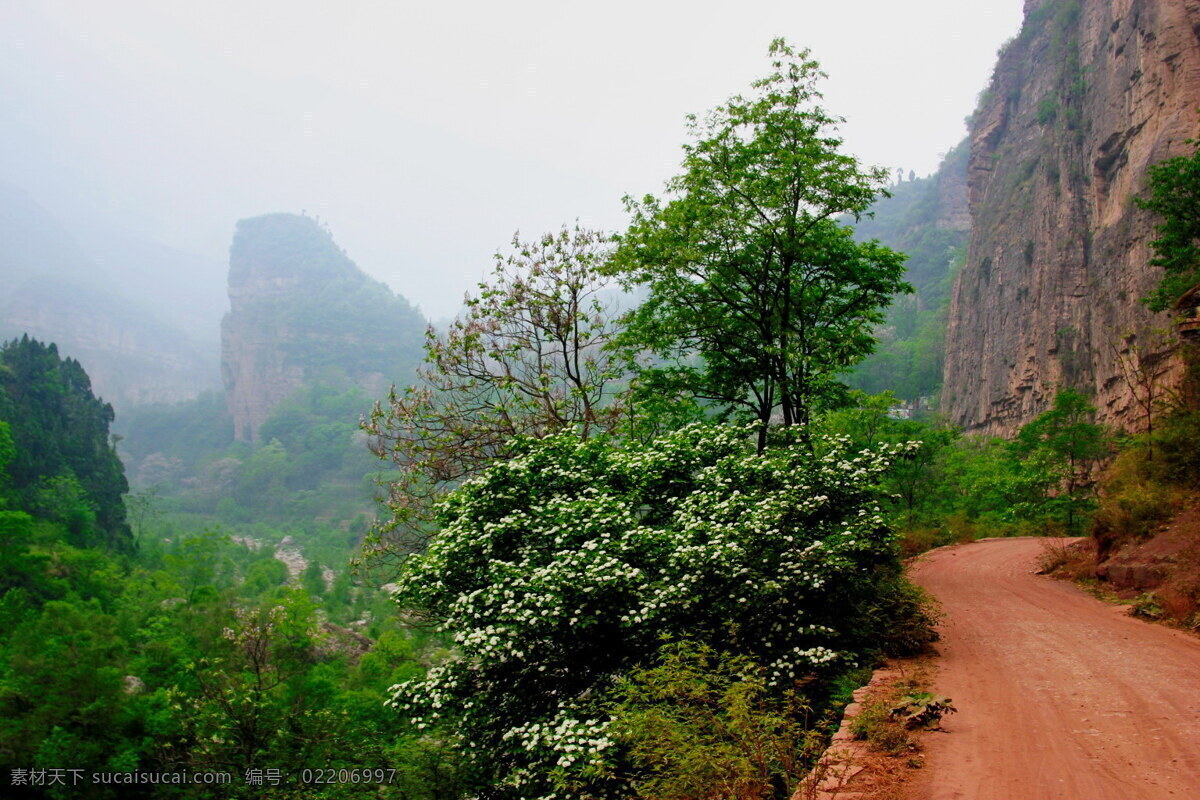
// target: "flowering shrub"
[[558, 571]]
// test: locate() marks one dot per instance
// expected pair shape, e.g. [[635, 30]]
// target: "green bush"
[[1177, 444], [702, 724], [1135, 500], [559, 570], [906, 616], [874, 724]]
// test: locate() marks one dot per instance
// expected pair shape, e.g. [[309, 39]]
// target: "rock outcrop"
[[1082, 102], [302, 312]]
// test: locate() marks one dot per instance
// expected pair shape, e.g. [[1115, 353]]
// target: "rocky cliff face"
[[1085, 98], [131, 358], [302, 312]]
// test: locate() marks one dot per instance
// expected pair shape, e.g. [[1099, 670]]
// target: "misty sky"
[[425, 134]]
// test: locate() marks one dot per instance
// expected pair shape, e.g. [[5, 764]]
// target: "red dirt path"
[[1059, 695]]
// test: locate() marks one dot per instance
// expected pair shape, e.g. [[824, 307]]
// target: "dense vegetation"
[[193, 652], [590, 551], [309, 477], [560, 569], [64, 467], [957, 488], [1175, 196], [588, 529]]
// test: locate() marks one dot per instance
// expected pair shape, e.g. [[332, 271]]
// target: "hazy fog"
[[425, 134]]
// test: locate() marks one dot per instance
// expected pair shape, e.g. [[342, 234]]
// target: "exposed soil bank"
[[1059, 695]]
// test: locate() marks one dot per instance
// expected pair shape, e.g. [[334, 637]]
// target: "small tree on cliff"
[[1175, 196], [746, 263], [527, 359]]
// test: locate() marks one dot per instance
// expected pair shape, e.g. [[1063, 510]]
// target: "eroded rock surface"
[[1087, 97]]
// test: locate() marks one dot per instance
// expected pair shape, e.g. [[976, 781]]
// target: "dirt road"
[[1059, 694]]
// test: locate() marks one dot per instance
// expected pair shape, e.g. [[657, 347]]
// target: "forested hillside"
[[126, 650], [927, 220]]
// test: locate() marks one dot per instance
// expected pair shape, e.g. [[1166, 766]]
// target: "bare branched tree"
[[527, 358], [1142, 365]]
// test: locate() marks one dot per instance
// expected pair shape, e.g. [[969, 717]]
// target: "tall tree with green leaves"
[[1175, 196], [758, 297]]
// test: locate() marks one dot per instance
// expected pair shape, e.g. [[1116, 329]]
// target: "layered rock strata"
[[1082, 102]]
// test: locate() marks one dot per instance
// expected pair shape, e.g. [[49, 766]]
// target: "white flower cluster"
[[569, 741], [559, 570]]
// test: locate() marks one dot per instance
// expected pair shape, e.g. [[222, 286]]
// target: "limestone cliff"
[[1086, 97], [302, 312]]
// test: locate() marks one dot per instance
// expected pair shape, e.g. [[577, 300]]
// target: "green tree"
[[63, 674], [8, 452], [313, 579], [19, 569], [702, 725], [746, 264], [60, 430], [1175, 196], [913, 482], [1073, 443], [253, 698]]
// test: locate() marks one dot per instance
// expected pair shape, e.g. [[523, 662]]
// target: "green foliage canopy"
[[697, 719], [746, 265], [529, 357], [1066, 443], [62, 452]]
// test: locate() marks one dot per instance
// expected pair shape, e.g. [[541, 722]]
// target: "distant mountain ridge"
[[55, 291]]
